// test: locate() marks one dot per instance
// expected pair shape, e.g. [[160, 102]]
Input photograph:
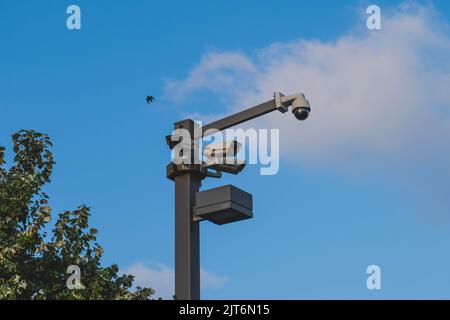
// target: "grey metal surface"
[[187, 232], [241, 117], [222, 213], [187, 239], [224, 204], [224, 193], [229, 168]]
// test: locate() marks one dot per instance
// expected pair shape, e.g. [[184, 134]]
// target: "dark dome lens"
[[301, 113]]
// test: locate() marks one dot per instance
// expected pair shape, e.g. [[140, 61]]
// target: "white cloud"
[[380, 98], [212, 281], [161, 278], [215, 72]]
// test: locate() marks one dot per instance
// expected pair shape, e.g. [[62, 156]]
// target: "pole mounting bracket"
[[279, 102]]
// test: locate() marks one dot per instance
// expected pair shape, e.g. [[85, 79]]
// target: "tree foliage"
[[33, 258]]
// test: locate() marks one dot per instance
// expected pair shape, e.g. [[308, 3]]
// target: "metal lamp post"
[[220, 205]]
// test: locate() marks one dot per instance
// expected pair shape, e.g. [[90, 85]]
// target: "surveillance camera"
[[225, 149], [222, 157], [300, 106]]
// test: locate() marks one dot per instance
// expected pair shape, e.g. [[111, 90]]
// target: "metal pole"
[[187, 232], [187, 239]]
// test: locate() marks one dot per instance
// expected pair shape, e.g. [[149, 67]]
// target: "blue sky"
[[352, 193]]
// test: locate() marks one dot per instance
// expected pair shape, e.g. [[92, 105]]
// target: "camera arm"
[[239, 117], [280, 103]]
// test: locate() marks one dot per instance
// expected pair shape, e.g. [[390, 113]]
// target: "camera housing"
[[222, 157], [300, 106], [221, 150]]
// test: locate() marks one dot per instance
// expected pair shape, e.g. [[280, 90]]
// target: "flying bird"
[[149, 99]]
